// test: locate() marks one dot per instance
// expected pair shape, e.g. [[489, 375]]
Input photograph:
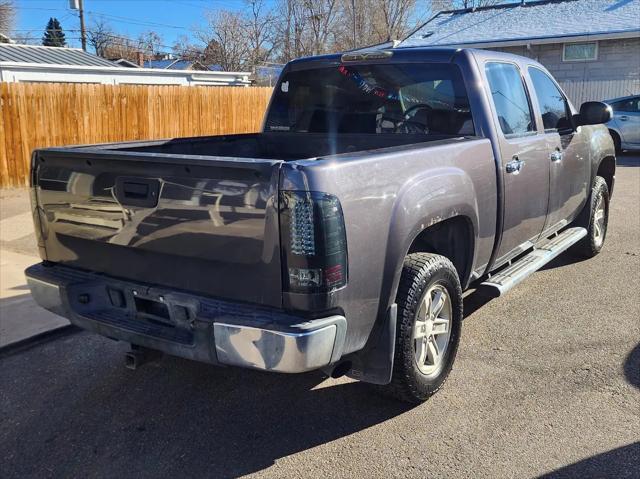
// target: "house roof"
[[123, 62], [174, 64], [526, 22], [181, 65], [162, 64], [50, 55]]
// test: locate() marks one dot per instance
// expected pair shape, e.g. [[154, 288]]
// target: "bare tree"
[[356, 29], [225, 37], [393, 18], [7, 16], [288, 29], [259, 30], [306, 27], [185, 50], [100, 36], [149, 43], [321, 16], [121, 47]]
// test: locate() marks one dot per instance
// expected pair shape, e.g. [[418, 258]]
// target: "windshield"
[[428, 98]]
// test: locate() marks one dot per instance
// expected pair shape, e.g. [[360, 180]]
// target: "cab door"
[[525, 160], [568, 151]]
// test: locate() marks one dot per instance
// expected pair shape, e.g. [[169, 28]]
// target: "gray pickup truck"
[[343, 235]]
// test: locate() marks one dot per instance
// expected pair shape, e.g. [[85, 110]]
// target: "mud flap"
[[374, 363]]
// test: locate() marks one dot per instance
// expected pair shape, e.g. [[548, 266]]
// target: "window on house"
[[580, 52], [510, 99]]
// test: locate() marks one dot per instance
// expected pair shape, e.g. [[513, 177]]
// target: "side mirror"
[[594, 113]]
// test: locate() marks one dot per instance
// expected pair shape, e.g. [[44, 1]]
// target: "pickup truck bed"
[[204, 221], [272, 146]]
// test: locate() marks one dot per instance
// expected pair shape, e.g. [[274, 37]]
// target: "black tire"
[[421, 271], [617, 143], [592, 244]]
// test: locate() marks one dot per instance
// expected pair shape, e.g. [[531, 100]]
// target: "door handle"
[[624, 118], [556, 156], [132, 191], [515, 165]]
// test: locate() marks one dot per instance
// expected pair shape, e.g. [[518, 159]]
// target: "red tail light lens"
[[313, 242]]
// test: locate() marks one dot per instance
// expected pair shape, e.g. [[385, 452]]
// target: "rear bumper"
[[189, 326]]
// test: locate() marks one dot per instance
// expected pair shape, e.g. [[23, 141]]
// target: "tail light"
[[313, 241]]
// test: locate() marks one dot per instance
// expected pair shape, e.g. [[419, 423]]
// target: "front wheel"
[[429, 325], [596, 220]]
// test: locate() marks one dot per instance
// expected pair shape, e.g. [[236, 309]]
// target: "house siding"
[[615, 73]]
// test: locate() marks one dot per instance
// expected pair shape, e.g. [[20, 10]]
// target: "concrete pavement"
[[20, 318]]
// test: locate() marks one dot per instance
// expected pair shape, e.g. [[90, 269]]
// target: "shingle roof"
[[528, 21], [181, 65], [50, 55], [159, 63]]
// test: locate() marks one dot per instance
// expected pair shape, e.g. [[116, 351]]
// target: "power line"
[[133, 21]]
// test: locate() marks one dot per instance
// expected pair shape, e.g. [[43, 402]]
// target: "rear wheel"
[[429, 325]]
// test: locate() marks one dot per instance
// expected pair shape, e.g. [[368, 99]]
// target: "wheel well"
[[614, 134], [451, 238], [607, 170]]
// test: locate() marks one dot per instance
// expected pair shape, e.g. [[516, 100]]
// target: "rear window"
[[426, 98]]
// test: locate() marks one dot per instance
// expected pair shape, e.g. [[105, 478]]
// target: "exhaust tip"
[[131, 360], [139, 356]]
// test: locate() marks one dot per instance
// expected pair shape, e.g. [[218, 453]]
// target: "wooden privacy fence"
[[36, 115]]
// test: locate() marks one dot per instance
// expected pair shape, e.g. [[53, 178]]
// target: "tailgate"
[[202, 224]]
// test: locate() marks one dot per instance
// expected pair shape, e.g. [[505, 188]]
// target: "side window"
[[510, 99], [626, 105], [555, 111]]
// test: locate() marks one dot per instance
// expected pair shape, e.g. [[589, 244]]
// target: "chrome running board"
[[543, 252]]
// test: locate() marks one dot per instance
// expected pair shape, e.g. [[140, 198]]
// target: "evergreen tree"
[[53, 34]]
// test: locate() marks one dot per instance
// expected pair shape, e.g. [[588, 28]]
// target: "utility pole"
[[83, 32], [353, 14], [79, 5]]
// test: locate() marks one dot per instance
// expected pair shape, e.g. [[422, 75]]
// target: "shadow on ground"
[[90, 416], [477, 298], [618, 463], [632, 372]]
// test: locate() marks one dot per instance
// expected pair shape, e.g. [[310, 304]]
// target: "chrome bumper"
[[312, 347], [231, 335]]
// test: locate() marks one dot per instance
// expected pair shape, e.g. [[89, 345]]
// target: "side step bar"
[[542, 253]]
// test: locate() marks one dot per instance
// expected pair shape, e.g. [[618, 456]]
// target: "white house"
[[592, 47], [28, 63]]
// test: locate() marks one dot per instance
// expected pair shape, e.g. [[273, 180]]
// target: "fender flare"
[[437, 195]]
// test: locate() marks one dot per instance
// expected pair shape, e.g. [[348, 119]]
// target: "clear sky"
[[169, 18]]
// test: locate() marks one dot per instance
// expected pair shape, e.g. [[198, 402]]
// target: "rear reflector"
[[313, 241]]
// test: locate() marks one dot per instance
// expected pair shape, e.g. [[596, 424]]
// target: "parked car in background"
[[625, 123], [342, 236]]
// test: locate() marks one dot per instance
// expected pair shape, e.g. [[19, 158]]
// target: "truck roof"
[[413, 53]]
